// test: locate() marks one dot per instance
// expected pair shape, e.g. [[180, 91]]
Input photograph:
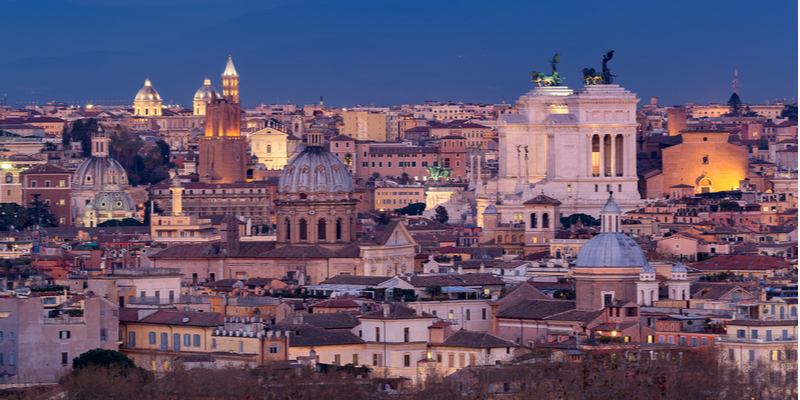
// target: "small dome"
[[89, 207], [679, 268], [647, 269], [315, 170], [611, 249], [611, 206], [206, 92], [147, 93], [93, 174], [113, 201], [490, 209]]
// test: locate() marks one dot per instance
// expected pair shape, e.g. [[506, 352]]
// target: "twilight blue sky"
[[387, 52]]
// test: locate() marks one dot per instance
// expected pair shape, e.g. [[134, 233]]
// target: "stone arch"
[[534, 222], [339, 229], [322, 229], [303, 225], [545, 220]]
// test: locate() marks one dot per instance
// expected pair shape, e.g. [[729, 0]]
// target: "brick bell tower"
[[223, 151]]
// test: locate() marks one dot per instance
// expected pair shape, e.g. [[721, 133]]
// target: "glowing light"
[[6, 166]]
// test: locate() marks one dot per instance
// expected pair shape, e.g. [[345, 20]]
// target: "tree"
[[103, 358], [39, 212], [375, 176], [404, 179], [123, 222], [586, 220], [441, 215], [434, 290], [82, 131], [412, 209], [12, 214], [66, 139], [749, 113], [156, 210], [789, 111], [735, 104]]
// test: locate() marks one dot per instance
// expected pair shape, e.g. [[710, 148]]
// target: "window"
[[131, 339], [377, 360], [740, 334], [406, 335], [213, 343], [164, 341], [377, 334], [769, 335], [752, 355], [196, 340], [64, 358], [451, 360], [187, 340], [469, 313], [273, 348], [355, 359], [63, 334], [176, 342], [704, 341], [754, 334], [33, 184], [12, 359], [682, 340], [2, 359], [152, 337], [693, 342], [775, 355], [103, 333], [731, 355], [483, 314], [337, 359], [406, 360], [241, 347]]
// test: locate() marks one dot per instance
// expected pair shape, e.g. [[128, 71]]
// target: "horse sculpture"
[[439, 171], [542, 79], [591, 77]]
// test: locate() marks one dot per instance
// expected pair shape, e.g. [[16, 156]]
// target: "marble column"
[[602, 143], [613, 142]]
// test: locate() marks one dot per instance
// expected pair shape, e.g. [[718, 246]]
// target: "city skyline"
[[389, 53]]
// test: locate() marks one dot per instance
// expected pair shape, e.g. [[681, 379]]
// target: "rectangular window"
[[672, 340], [12, 359], [131, 339], [176, 342], [164, 341], [337, 359], [152, 337], [740, 334], [694, 342], [196, 340], [103, 333], [213, 343], [483, 314], [660, 338], [704, 341], [187, 340], [469, 313], [377, 334], [406, 335], [64, 358], [63, 334], [2, 359], [355, 359], [752, 355], [241, 347], [754, 334], [451, 360], [769, 335], [731, 355], [775, 355], [406, 360]]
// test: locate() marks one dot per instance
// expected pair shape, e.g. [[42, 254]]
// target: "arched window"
[[793, 312], [339, 229], [513, 239], [499, 239], [508, 239], [269, 148], [9, 178], [303, 230], [533, 221], [321, 228], [303, 196], [545, 220]]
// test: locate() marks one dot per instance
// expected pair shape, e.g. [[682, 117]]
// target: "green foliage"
[[441, 215], [407, 295], [103, 358], [789, 111], [749, 113], [40, 214], [54, 288], [411, 209], [82, 131], [76, 313], [156, 209], [573, 219], [434, 290], [375, 176], [12, 214], [735, 104], [123, 222], [404, 179]]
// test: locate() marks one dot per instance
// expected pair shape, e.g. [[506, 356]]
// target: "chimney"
[[185, 319], [494, 296], [578, 340], [482, 267], [386, 311], [419, 309], [460, 270]]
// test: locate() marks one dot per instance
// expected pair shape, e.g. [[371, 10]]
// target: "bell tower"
[[230, 82], [223, 151]]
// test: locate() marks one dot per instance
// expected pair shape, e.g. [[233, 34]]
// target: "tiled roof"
[[742, 262], [330, 320], [355, 280], [169, 317], [585, 316], [128, 315], [711, 291], [336, 303], [537, 309], [188, 251], [614, 326], [396, 311], [480, 340], [756, 322], [456, 280], [309, 335], [292, 251]]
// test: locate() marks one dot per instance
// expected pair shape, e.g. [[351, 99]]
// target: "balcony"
[[761, 340], [65, 320]]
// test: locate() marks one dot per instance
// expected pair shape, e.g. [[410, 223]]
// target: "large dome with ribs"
[[315, 170]]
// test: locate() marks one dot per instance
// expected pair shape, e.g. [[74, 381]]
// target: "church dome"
[[610, 250], [315, 170], [206, 92], [114, 201], [147, 93], [96, 172], [490, 209], [679, 268]]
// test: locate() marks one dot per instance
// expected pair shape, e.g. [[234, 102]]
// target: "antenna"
[[736, 80]]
